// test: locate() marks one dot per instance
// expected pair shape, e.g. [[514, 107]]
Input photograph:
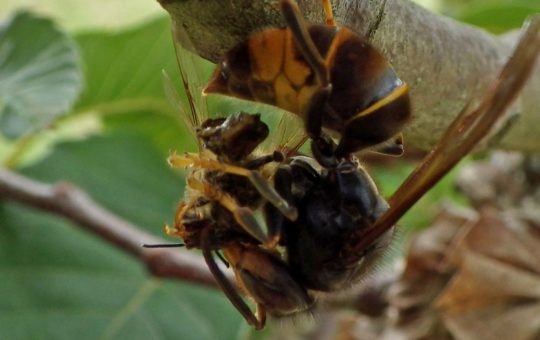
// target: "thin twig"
[[69, 201]]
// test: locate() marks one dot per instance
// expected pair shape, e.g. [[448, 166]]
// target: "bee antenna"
[[163, 245]]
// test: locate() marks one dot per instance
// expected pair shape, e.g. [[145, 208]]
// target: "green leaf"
[[124, 68], [59, 282], [495, 15], [165, 132], [40, 74], [500, 18], [125, 84]]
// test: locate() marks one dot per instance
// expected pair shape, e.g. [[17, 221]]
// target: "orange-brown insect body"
[[218, 214], [368, 103], [265, 277]]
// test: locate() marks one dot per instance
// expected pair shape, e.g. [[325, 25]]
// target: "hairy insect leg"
[[242, 215], [259, 162], [268, 280], [181, 210], [225, 284], [263, 186], [273, 218], [303, 40], [392, 147], [328, 14], [318, 103]]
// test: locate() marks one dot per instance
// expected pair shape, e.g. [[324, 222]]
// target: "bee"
[[329, 76], [334, 79], [326, 221], [228, 184]]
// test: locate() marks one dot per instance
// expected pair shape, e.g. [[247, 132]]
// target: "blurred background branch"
[[72, 203]]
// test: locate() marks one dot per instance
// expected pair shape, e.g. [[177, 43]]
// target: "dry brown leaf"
[[495, 293], [427, 271], [497, 181], [513, 237], [520, 322], [482, 281]]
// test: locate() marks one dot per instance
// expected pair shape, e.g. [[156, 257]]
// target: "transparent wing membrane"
[[287, 133], [192, 107]]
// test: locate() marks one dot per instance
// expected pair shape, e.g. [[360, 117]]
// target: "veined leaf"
[[40, 74], [124, 68]]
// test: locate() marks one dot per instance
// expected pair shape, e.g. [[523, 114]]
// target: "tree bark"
[[446, 63]]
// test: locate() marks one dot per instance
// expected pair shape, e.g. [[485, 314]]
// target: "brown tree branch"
[[445, 62], [67, 200]]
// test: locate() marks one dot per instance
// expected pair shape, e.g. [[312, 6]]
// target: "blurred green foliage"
[[57, 281], [497, 16]]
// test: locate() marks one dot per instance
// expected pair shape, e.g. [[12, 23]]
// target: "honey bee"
[[329, 76], [229, 183]]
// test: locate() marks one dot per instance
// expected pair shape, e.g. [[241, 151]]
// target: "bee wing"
[[287, 133], [174, 98], [463, 134], [193, 110]]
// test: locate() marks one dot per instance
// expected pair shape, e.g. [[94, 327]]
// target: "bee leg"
[[328, 15], [297, 25], [260, 312], [242, 215], [318, 101], [178, 217], [273, 218], [274, 222], [392, 147], [269, 193], [256, 163], [262, 185], [268, 280], [246, 218], [225, 284], [322, 146]]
